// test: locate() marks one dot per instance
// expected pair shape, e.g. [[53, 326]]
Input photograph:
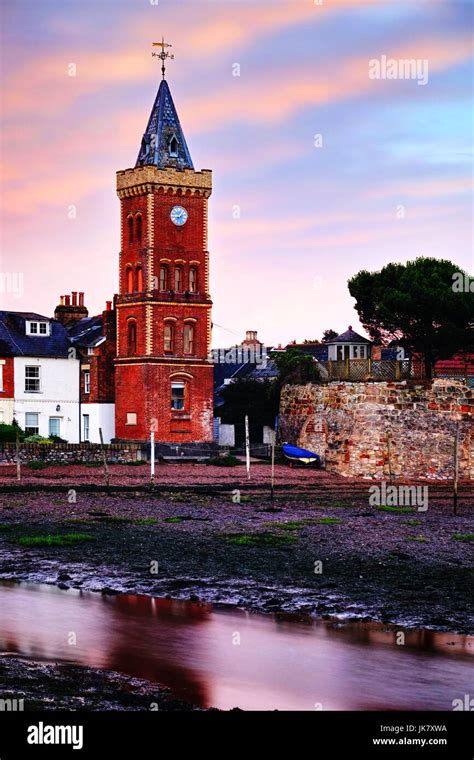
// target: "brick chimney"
[[251, 339], [71, 308]]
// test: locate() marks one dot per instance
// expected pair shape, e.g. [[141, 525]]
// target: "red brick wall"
[[145, 389], [8, 378], [101, 365]]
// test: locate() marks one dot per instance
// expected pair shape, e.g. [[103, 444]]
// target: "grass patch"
[[463, 536], [259, 539], [5, 527], [137, 463], [397, 510], [68, 539], [419, 539], [147, 521], [173, 519], [228, 461], [411, 522], [329, 521]]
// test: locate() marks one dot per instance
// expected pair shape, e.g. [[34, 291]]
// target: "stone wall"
[[347, 424], [69, 453]]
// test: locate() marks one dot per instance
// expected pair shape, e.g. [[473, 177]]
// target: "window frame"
[[164, 269], [54, 419], [169, 325], [32, 429], [189, 326], [132, 341], [37, 378], [193, 287], [184, 398], [178, 270], [87, 381]]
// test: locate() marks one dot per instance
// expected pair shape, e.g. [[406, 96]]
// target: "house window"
[[173, 147], [132, 338], [129, 278], [55, 426], [139, 228], [87, 382], [193, 280], [131, 418], [85, 426], [188, 339], [31, 423], [130, 229], [163, 278], [168, 338], [178, 279], [90, 351], [139, 272], [32, 379], [177, 396], [37, 328]]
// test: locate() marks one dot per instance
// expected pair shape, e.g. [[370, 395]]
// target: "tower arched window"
[[130, 229], [168, 343], [139, 279], [188, 336], [129, 279], [173, 147], [193, 280], [163, 277], [178, 279], [139, 228], [132, 338]]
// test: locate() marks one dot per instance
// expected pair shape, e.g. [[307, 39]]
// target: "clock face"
[[179, 215]]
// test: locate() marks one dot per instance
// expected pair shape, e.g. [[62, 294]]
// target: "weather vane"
[[164, 54]]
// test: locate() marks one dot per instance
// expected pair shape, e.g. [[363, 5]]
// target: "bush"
[[38, 439], [37, 464], [8, 433], [227, 461]]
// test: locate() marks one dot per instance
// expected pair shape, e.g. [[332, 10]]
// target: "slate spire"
[[163, 144]]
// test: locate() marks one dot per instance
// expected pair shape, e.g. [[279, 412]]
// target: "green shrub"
[[397, 510], [227, 461], [463, 536], [38, 439], [8, 433], [37, 464]]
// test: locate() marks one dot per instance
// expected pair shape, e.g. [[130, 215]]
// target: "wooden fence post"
[[456, 468]]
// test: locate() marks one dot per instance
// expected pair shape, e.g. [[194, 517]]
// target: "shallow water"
[[226, 659]]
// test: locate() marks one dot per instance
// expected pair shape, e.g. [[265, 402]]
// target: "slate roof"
[[85, 332], [350, 336], [15, 342], [163, 125]]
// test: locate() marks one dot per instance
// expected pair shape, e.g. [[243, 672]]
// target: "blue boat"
[[295, 454]]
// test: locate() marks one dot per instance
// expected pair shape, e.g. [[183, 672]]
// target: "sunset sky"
[[392, 179]]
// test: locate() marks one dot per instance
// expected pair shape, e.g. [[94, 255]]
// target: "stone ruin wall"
[[347, 424]]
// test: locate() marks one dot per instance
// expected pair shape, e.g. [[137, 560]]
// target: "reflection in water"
[[229, 659]]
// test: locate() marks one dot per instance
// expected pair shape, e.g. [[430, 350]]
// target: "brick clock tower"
[[164, 376]]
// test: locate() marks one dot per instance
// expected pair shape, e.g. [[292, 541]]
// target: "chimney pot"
[[81, 299], [108, 305], [67, 300], [74, 297]]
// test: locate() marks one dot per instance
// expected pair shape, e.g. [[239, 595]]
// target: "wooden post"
[[273, 465], [152, 457], [106, 468], [389, 455], [456, 468], [348, 369], [247, 446], [18, 465]]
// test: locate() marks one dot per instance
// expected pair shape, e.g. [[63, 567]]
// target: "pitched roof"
[[15, 342], [85, 332], [163, 125], [350, 336]]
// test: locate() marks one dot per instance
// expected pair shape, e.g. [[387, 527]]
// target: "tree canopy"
[[416, 305]]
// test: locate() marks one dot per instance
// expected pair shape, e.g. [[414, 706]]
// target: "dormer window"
[[37, 328], [173, 147]]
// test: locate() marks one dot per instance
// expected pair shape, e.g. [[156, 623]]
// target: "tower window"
[[178, 396], [163, 278], [139, 279], [168, 344], [132, 338], [139, 228], [193, 280], [178, 279], [188, 339], [130, 229], [129, 279], [173, 147]]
